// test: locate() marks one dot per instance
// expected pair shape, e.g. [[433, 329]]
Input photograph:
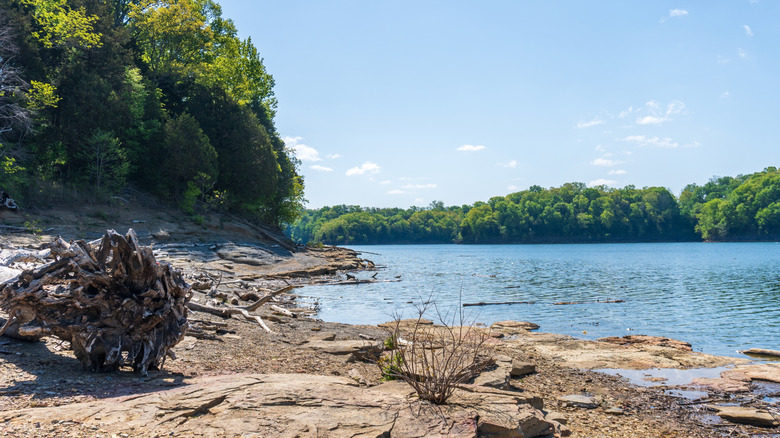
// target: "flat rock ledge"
[[297, 405]]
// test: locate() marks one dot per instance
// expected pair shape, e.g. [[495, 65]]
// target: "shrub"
[[434, 359]]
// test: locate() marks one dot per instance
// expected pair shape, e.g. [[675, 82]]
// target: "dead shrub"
[[434, 359]]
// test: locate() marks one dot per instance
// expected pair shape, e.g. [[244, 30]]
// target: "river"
[[720, 297]]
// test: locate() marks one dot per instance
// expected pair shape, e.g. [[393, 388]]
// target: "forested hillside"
[[161, 94], [743, 208]]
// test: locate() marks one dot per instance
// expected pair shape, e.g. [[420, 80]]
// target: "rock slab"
[[297, 405], [752, 416]]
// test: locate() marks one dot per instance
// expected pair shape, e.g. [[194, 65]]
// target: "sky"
[[401, 103]]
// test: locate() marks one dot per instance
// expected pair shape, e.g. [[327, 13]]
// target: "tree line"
[[746, 207], [96, 94]]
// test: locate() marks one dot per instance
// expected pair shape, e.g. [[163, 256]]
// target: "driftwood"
[[497, 304], [566, 303], [112, 301], [229, 311]]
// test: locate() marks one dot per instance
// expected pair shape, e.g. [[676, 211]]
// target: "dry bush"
[[434, 359]]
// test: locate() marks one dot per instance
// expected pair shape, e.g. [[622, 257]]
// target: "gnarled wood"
[[114, 302]]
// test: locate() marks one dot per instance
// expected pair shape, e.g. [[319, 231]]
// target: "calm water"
[[720, 297]]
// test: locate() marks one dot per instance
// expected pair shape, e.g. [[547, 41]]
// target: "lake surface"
[[720, 297]]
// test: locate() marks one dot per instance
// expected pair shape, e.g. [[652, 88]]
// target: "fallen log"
[[111, 300], [497, 304], [566, 303]]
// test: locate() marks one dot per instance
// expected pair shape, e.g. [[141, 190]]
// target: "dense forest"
[[161, 95], [746, 207]]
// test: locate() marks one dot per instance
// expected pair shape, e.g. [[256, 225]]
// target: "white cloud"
[[650, 120], [387, 181], [605, 162], [658, 142], [725, 95], [367, 167], [333, 156], [396, 192], [419, 201], [602, 182], [510, 165], [674, 13], [320, 168], [303, 152], [418, 186], [742, 54], [748, 30], [594, 122], [600, 148], [513, 188], [471, 148], [723, 60], [617, 172]]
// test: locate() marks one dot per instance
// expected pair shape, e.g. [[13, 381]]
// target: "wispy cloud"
[[674, 13], [471, 148], [418, 186], [333, 156], [594, 122], [617, 172], [510, 165], [320, 168], [602, 182], [387, 181], [395, 192], [658, 115], [725, 95], [303, 152], [742, 54], [658, 142], [367, 167], [723, 60], [748, 30], [513, 188]]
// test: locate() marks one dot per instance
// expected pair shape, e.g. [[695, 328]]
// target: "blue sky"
[[393, 104]]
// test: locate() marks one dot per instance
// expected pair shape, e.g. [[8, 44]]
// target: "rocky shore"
[[311, 378]]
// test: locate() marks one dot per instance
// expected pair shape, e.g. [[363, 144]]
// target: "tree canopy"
[[159, 93], [741, 208]]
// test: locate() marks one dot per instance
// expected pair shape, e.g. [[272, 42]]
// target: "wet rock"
[[752, 416], [656, 341], [579, 401], [514, 325], [723, 384], [520, 368]]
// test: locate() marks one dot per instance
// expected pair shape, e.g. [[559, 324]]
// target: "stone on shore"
[[359, 348], [520, 369], [513, 325], [579, 401], [743, 415]]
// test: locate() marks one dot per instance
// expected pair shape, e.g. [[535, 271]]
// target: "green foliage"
[[107, 165], [166, 94], [390, 366], [61, 25]]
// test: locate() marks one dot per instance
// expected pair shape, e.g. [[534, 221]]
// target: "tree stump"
[[113, 302]]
